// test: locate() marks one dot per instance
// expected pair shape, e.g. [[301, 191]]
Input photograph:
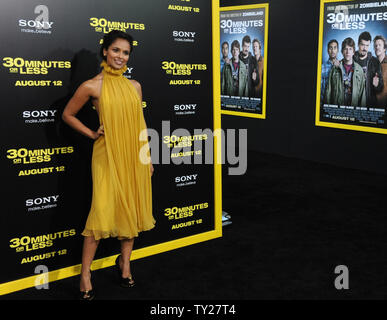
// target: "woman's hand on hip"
[[99, 132]]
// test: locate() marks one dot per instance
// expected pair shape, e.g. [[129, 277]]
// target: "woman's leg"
[[89, 248], [126, 251]]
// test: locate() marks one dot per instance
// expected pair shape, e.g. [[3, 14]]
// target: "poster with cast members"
[[352, 66], [243, 59]]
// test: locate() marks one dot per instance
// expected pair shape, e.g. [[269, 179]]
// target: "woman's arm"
[[80, 97]]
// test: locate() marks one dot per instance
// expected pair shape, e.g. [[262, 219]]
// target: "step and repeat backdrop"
[[48, 49], [352, 68]]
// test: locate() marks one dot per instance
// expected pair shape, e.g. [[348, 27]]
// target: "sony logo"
[[191, 177], [39, 201], [177, 107], [42, 20], [39, 113], [184, 34], [35, 24]]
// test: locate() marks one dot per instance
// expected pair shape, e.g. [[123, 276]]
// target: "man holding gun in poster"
[[235, 77], [346, 83], [371, 68]]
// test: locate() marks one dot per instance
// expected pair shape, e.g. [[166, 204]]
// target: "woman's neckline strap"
[[109, 70]]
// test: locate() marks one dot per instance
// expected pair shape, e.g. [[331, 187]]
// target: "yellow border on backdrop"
[[320, 51], [253, 6], [71, 271]]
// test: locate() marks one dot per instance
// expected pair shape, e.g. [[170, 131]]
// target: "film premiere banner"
[[243, 58], [352, 66], [48, 49]]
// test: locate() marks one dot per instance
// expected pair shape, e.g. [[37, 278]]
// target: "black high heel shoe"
[[87, 295], [124, 282]]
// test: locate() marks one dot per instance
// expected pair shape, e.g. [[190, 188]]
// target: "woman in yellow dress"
[[122, 194]]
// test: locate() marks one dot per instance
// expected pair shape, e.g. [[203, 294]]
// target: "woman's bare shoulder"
[[93, 85], [137, 86], [96, 81], [135, 83]]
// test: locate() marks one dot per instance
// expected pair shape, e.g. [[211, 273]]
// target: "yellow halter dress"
[[122, 192]]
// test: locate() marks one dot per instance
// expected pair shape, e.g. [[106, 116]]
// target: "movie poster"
[[352, 71], [243, 59]]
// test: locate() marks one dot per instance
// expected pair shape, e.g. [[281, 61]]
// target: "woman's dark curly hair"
[[112, 36]]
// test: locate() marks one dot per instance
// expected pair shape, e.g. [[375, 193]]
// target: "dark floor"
[[293, 222]]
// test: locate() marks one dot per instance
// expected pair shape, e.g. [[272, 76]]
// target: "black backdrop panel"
[[48, 49]]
